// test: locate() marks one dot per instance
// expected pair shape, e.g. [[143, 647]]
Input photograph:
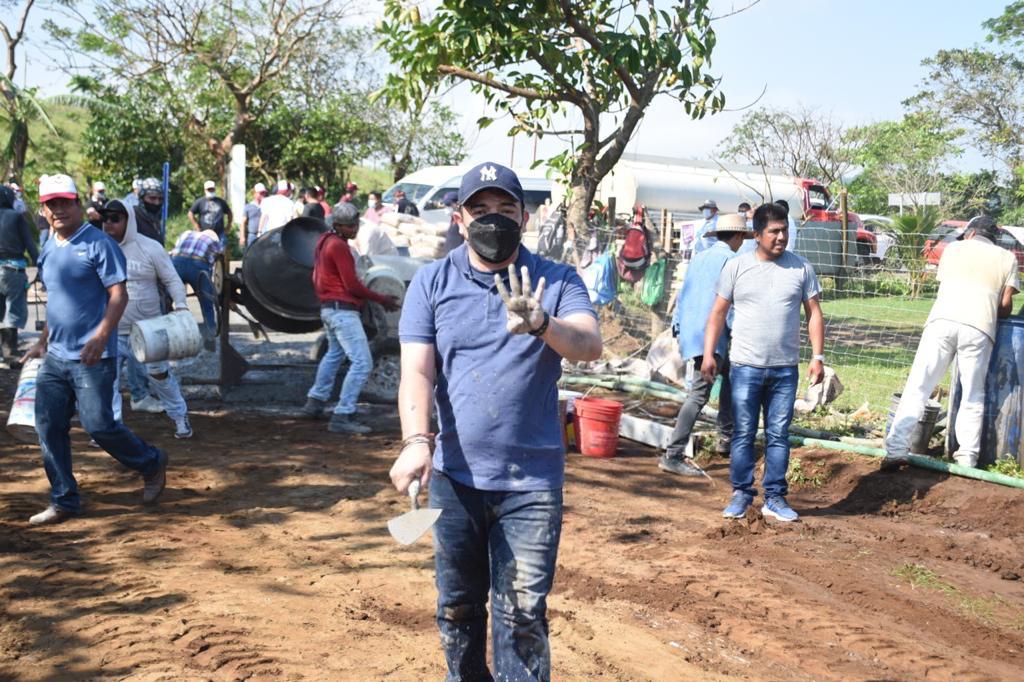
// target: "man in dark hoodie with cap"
[[15, 241], [485, 346]]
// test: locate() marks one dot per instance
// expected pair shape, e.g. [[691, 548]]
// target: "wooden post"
[[844, 220], [666, 231]]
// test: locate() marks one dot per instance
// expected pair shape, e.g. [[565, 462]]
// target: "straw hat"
[[731, 222]]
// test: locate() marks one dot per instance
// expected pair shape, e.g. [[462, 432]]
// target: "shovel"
[[410, 526]]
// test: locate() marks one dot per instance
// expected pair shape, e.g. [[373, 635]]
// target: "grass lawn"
[[870, 342]]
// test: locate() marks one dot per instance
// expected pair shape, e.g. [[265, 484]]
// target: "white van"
[[426, 188]]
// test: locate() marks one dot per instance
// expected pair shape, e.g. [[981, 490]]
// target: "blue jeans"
[[13, 298], [199, 276], [345, 338], [504, 544], [63, 385], [131, 372], [771, 390]]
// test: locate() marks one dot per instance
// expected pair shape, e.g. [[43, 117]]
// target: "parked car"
[[947, 232], [881, 228], [1011, 238]]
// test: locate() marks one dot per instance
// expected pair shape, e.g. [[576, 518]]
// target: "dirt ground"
[[268, 558]]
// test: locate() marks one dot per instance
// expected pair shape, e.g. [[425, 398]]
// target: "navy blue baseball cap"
[[490, 176]]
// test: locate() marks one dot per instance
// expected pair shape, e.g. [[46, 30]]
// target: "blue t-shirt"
[[76, 274], [693, 307], [496, 393]]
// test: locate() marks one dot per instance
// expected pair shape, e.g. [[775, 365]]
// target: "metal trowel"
[[410, 526]]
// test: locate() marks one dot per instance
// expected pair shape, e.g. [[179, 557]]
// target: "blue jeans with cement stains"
[[501, 545]]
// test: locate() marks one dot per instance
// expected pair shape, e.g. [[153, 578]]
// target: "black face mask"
[[494, 237], [155, 210]]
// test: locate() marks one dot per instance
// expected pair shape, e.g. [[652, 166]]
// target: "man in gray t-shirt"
[[765, 289]]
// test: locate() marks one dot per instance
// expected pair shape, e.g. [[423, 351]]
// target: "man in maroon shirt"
[[341, 297]]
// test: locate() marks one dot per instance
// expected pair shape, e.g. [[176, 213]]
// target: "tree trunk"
[[19, 148]]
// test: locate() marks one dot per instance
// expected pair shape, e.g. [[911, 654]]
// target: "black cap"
[[113, 206], [490, 176]]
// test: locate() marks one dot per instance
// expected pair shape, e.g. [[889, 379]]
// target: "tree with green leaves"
[[220, 63], [20, 106], [587, 69], [900, 157], [983, 90], [804, 142]]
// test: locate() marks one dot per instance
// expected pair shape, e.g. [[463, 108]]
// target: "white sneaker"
[[147, 404], [183, 427]]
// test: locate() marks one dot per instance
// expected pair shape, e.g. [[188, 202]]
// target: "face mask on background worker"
[[706, 213], [494, 237]]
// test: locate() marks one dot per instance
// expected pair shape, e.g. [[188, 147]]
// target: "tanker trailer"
[[275, 286]]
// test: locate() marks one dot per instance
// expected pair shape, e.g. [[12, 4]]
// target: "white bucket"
[[168, 337], [21, 423]]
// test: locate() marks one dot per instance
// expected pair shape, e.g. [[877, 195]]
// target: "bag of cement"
[[410, 230], [395, 219], [822, 393], [664, 361], [429, 242], [435, 229]]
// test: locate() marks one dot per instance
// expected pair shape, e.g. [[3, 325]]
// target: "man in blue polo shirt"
[[83, 271], [486, 347]]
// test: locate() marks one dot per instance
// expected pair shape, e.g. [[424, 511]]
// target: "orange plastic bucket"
[[597, 426]]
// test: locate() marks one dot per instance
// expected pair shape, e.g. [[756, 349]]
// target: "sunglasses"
[[114, 218]]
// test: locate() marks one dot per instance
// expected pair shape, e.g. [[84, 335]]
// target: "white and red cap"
[[58, 186], [283, 186], [259, 187]]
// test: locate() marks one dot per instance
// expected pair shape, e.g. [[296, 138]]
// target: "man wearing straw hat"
[[488, 355], [83, 271], [692, 309]]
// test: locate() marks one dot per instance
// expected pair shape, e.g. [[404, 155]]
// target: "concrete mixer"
[[274, 288]]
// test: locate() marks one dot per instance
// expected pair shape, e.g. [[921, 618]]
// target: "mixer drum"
[[277, 277]]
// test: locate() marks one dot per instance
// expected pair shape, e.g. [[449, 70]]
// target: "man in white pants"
[[977, 281], [149, 267]]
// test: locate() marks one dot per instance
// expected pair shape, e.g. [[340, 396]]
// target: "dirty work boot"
[[346, 423], [9, 343], [154, 484], [723, 447], [314, 408], [51, 515], [893, 461], [684, 466]]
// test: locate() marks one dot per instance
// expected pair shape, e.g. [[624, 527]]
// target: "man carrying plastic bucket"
[[83, 271], [977, 281], [149, 267], [692, 310], [766, 289], [486, 347]]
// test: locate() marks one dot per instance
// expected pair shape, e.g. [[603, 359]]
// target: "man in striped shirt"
[[193, 256]]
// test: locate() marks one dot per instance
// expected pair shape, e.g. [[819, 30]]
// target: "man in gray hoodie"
[[149, 267]]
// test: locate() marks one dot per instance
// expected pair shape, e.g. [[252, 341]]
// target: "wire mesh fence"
[[878, 286]]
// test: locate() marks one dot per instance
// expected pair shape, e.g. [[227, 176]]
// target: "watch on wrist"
[[818, 357], [539, 331]]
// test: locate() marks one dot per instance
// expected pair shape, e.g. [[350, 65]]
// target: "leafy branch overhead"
[[591, 62]]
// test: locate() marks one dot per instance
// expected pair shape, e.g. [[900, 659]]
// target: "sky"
[[855, 59], [858, 59]]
